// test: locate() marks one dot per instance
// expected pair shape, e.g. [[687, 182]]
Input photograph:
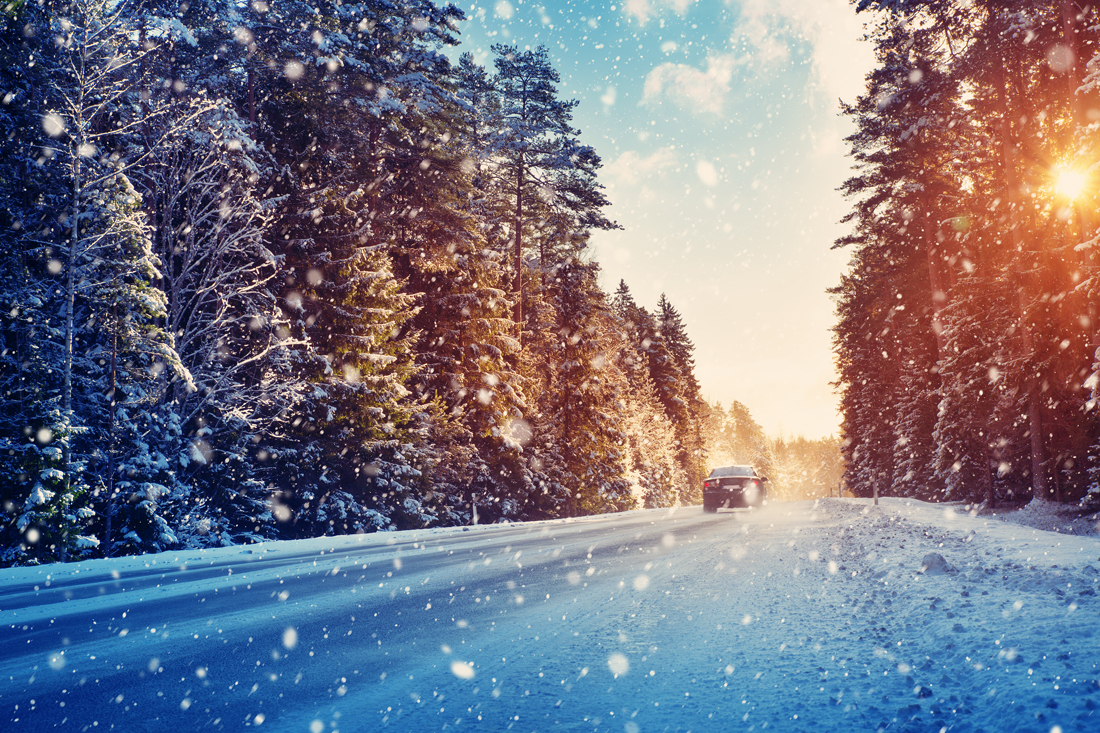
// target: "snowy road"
[[802, 616]]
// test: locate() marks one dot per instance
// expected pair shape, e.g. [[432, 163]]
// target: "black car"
[[730, 487]]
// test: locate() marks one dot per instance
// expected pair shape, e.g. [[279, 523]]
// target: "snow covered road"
[[801, 616]]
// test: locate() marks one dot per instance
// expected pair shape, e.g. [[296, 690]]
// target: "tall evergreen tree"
[[681, 350], [583, 395], [466, 346], [551, 176], [990, 222], [351, 119], [651, 437], [255, 285], [106, 343], [903, 195]]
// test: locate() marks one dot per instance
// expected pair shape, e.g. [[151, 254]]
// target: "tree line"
[[968, 319], [797, 468], [276, 270]]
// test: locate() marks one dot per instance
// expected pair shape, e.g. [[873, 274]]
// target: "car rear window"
[[726, 471]]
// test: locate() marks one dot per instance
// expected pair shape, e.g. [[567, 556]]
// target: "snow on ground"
[[804, 616], [1052, 516]]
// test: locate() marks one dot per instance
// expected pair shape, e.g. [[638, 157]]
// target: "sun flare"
[[1070, 183]]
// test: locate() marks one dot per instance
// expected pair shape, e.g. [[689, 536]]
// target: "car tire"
[[708, 509]]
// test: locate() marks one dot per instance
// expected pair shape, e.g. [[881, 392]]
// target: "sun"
[[1070, 183]]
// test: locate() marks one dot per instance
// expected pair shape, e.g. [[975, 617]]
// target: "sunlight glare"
[[1070, 183]]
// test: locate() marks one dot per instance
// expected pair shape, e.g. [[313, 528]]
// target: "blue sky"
[[722, 146]]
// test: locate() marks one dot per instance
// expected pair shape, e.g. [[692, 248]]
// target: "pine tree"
[[805, 469], [967, 433], [917, 406], [681, 350], [550, 175], [583, 395], [106, 344], [1087, 146], [651, 437], [986, 214], [867, 374], [904, 194], [679, 346], [30, 197], [369, 76], [466, 346], [1034, 253]]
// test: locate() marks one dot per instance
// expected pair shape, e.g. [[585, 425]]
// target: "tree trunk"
[[1039, 488], [939, 292], [1031, 382], [112, 397], [990, 498], [70, 306], [251, 90], [1069, 40], [1054, 477], [517, 287]]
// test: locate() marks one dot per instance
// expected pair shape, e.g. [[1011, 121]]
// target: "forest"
[[278, 270], [967, 335]]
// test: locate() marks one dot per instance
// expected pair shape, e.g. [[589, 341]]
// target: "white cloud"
[[631, 168], [764, 37], [640, 10], [830, 28], [643, 10], [702, 90], [766, 43]]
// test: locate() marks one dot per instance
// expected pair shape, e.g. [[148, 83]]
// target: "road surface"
[[800, 616]]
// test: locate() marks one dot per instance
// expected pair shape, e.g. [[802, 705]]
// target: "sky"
[[722, 144]]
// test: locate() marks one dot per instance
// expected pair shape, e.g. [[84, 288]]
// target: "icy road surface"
[[801, 616]]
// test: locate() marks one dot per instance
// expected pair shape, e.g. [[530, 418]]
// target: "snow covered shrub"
[[1090, 502], [46, 514]]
